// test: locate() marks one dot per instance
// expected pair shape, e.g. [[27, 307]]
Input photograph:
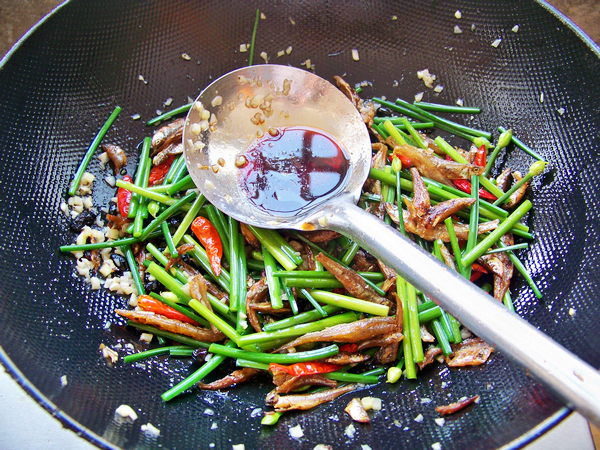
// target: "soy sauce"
[[292, 168]]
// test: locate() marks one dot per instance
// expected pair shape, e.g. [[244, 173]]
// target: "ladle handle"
[[574, 381]]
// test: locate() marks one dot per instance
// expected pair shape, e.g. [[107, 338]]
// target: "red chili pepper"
[[465, 186], [307, 368], [350, 348], [151, 304], [208, 235], [403, 159], [481, 156], [157, 173], [124, 198], [479, 268], [475, 276]]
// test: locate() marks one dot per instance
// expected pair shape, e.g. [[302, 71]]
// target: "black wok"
[[59, 85]]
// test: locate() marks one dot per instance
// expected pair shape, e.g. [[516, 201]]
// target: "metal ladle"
[[298, 97]]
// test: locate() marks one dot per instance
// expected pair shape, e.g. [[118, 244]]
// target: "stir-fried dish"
[[313, 311]]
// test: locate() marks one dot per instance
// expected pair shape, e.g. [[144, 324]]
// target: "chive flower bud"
[[504, 138], [479, 141], [396, 164], [537, 168]]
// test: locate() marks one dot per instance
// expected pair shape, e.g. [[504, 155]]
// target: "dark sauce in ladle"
[[292, 168]]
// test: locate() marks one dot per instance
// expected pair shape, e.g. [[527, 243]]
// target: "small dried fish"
[[470, 352], [116, 155], [236, 377], [357, 411], [305, 401]]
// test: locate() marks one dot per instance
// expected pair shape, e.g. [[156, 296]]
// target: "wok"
[[60, 84]]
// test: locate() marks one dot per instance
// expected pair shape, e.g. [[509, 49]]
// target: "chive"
[[394, 133], [242, 280], [522, 146], [277, 358], [175, 207], [272, 282], [435, 107], [399, 123], [411, 369], [473, 224], [298, 330], [133, 268], [415, 135], [190, 342], [503, 140], [162, 259], [304, 317], [350, 303], [168, 281], [105, 244], [193, 379], [313, 302], [188, 219], [150, 353], [350, 253], [521, 268], [270, 418], [441, 336], [181, 309], [174, 169], [214, 218], [175, 112], [182, 352], [449, 150], [491, 187], [253, 37], [496, 234], [415, 330], [440, 121], [142, 169], [180, 173], [287, 293], [183, 184], [215, 320], [141, 179], [148, 193], [507, 300], [169, 175], [168, 239], [372, 276], [352, 377], [429, 314], [251, 364], [313, 283], [91, 150], [281, 251], [235, 302], [507, 248]]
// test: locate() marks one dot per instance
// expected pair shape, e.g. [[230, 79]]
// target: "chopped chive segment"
[[90, 152], [188, 219], [313, 302], [522, 146], [151, 353], [168, 239], [273, 283], [507, 248], [350, 303], [494, 236], [277, 358], [209, 315], [181, 309], [198, 375], [175, 112], [277, 246], [415, 329], [521, 268], [298, 330], [253, 39], [133, 268], [435, 107], [105, 244], [183, 184], [190, 342], [308, 316]]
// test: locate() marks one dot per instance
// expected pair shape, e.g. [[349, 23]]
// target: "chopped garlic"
[[218, 100], [458, 14], [126, 411], [296, 432], [515, 28], [150, 430], [419, 418], [146, 337], [264, 56], [440, 421], [355, 56], [439, 88], [142, 79], [243, 48], [288, 50], [419, 96], [436, 446], [238, 447], [542, 97], [457, 29], [496, 43], [350, 431], [561, 111], [460, 102], [280, 53], [394, 17], [262, 16], [185, 56], [63, 381], [572, 312]]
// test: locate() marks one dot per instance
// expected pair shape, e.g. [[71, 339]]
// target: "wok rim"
[[86, 434]]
